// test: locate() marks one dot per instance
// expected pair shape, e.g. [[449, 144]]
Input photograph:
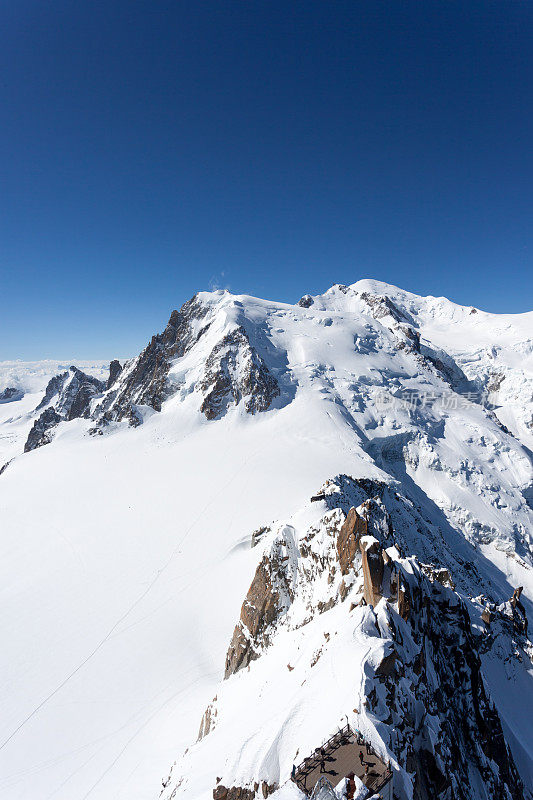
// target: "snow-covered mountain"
[[276, 520]]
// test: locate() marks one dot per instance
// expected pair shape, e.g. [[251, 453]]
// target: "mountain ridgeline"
[[393, 601]]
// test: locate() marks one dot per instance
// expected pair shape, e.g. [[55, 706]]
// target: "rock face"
[[382, 306], [348, 539], [372, 561], [260, 609], [40, 433], [233, 793], [208, 720], [444, 654], [144, 381], [264, 790], [71, 393], [235, 371], [68, 396], [11, 394], [427, 691], [115, 369]]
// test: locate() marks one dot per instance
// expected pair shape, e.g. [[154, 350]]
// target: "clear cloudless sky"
[[152, 148]]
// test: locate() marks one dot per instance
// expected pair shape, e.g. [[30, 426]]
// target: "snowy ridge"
[[134, 556], [324, 651]]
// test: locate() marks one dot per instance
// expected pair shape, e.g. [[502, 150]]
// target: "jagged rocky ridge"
[[10, 394], [67, 396], [429, 400], [234, 371], [423, 699]]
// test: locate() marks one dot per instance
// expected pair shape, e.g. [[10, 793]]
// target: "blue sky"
[[151, 149]]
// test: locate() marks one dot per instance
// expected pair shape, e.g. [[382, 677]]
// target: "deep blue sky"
[[150, 149]]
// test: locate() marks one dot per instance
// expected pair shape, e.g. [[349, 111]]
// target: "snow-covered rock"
[[125, 576]]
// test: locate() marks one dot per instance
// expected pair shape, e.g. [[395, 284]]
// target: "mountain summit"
[[291, 527]]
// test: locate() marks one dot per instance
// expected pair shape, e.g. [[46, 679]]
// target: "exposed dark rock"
[[306, 301], [470, 733], [71, 393], [144, 381], [53, 388], [316, 498], [40, 433], [74, 391], [382, 306], [235, 371], [258, 535], [10, 394], [429, 689], [412, 339], [387, 665], [269, 595], [233, 793], [115, 369]]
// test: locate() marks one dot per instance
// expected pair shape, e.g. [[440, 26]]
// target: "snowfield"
[[126, 556]]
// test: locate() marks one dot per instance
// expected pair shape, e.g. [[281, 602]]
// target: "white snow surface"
[[125, 558]]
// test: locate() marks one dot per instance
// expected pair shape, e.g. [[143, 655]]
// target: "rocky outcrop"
[[144, 381], [41, 432], [208, 720], [71, 393], [235, 371], [348, 540], [260, 609], [115, 368], [221, 792], [262, 789], [422, 686], [372, 562], [437, 644], [306, 301], [53, 387], [382, 306], [10, 394], [67, 396]]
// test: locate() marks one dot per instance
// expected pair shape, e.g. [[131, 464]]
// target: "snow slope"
[[126, 556]]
